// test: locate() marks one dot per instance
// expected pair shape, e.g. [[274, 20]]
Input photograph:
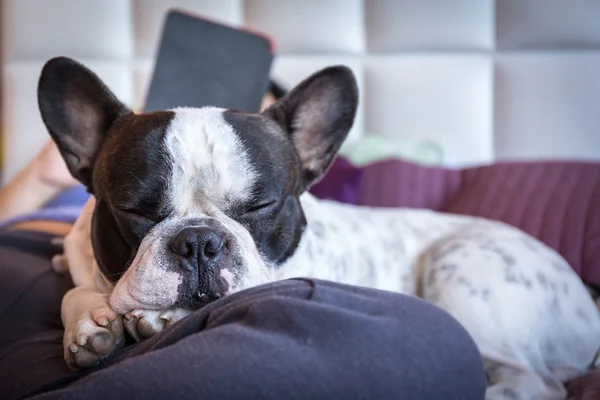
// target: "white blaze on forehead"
[[210, 162]]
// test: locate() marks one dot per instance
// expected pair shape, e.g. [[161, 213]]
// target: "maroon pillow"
[[398, 183], [341, 183], [393, 183], [557, 202], [586, 387]]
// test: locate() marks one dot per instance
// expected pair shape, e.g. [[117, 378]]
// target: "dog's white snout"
[[122, 301], [146, 285]]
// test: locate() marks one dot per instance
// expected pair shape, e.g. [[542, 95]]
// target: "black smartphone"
[[204, 63]]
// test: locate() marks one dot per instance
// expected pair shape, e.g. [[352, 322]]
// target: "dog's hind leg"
[[525, 308], [510, 383]]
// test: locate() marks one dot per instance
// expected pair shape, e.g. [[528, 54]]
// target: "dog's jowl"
[[194, 204]]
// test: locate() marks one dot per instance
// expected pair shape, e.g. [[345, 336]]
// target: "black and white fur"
[[193, 204]]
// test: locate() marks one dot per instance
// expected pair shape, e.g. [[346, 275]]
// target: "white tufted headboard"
[[484, 79]]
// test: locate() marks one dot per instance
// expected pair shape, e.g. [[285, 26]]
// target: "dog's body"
[[193, 204]]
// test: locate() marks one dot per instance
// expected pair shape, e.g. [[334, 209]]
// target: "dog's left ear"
[[78, 110], [317, 115]]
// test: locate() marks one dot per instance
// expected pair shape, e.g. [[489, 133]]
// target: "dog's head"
[[194, 203]]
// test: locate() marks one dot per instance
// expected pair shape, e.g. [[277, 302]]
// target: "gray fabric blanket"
[[295, 339]]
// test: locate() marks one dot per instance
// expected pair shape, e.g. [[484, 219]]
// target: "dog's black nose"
[[197, 243]]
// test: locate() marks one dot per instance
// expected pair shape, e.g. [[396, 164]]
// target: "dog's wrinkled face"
[[201, 202], [193, 204]]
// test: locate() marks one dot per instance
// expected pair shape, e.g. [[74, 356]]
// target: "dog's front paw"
[[142, 324], [93, 337]]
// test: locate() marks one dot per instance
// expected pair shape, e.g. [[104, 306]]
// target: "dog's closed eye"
[[132, 213], [261, 207]]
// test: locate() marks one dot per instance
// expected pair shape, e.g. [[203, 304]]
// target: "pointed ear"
[[78, 110], [317, 115]]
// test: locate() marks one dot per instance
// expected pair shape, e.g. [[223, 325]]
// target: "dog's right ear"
[[78, 110], [317, 116]]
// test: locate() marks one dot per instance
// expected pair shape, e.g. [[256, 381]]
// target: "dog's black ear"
[[78, 110], [317, 115]]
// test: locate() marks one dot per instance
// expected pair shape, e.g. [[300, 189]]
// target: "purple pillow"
[[586, 387], [393, 183], [341, 183], [557, 202]]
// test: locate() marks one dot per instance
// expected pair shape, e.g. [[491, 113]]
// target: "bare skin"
[[41, 180]]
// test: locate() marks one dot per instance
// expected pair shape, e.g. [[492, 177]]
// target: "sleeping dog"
[[192, 204]]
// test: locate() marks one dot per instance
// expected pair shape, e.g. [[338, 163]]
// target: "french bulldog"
[[192, 204]]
